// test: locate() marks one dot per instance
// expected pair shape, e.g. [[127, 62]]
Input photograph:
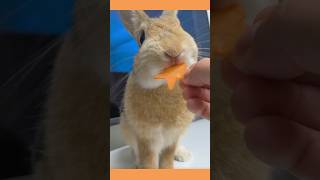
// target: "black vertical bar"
[[108, 82]]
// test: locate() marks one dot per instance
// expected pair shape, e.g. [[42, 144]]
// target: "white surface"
[[116, 139], [208, 13], [196, 140]]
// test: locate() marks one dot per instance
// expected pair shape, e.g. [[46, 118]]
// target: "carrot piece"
[[172, 74], [229, 24]]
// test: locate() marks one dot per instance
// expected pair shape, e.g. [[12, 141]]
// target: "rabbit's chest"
[[159, 107]]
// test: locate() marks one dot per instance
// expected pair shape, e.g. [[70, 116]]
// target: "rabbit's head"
[[163, 42]]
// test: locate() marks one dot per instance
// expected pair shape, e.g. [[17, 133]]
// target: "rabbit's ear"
[[134, 20], [169, 13]]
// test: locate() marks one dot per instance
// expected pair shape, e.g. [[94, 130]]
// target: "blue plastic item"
[[123, 46]]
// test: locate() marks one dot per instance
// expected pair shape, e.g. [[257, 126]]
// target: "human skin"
[[275, 77], [196, 88]]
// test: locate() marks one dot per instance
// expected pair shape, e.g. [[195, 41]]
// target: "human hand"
[[196, 88], [275, 75]]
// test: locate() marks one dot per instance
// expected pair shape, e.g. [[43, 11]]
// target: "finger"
[[256, 97], [199, 107], [199, 74], [231, 75], [191, 92], [297, 102], [269, 54], [285, 144], [181, 84], [304, 17]]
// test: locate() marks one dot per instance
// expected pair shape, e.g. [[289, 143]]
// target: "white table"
[[196, 139]]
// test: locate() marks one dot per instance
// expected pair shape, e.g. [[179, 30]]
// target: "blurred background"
[[31, 32]]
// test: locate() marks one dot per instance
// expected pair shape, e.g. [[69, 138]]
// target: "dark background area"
[[30, 36], [25, 69]]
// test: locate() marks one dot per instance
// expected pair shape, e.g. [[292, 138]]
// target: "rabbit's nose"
[[174, 56]]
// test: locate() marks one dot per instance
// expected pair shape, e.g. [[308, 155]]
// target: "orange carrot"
[[229, 24], [172, 74]]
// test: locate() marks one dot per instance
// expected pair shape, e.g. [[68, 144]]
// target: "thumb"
[[198, 74]]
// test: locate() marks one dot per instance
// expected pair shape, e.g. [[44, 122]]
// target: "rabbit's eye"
[[142, 37]]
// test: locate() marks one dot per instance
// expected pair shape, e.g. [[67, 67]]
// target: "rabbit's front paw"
[[182, 154]]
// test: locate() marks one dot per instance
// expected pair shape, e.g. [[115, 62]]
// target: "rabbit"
[[75, 125], [154, 118]]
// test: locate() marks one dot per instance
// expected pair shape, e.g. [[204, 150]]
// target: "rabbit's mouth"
[[181, 58], [158, 63], [173, 62]]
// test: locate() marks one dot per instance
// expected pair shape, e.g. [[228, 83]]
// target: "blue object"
[[123, 46], [36, 16]]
